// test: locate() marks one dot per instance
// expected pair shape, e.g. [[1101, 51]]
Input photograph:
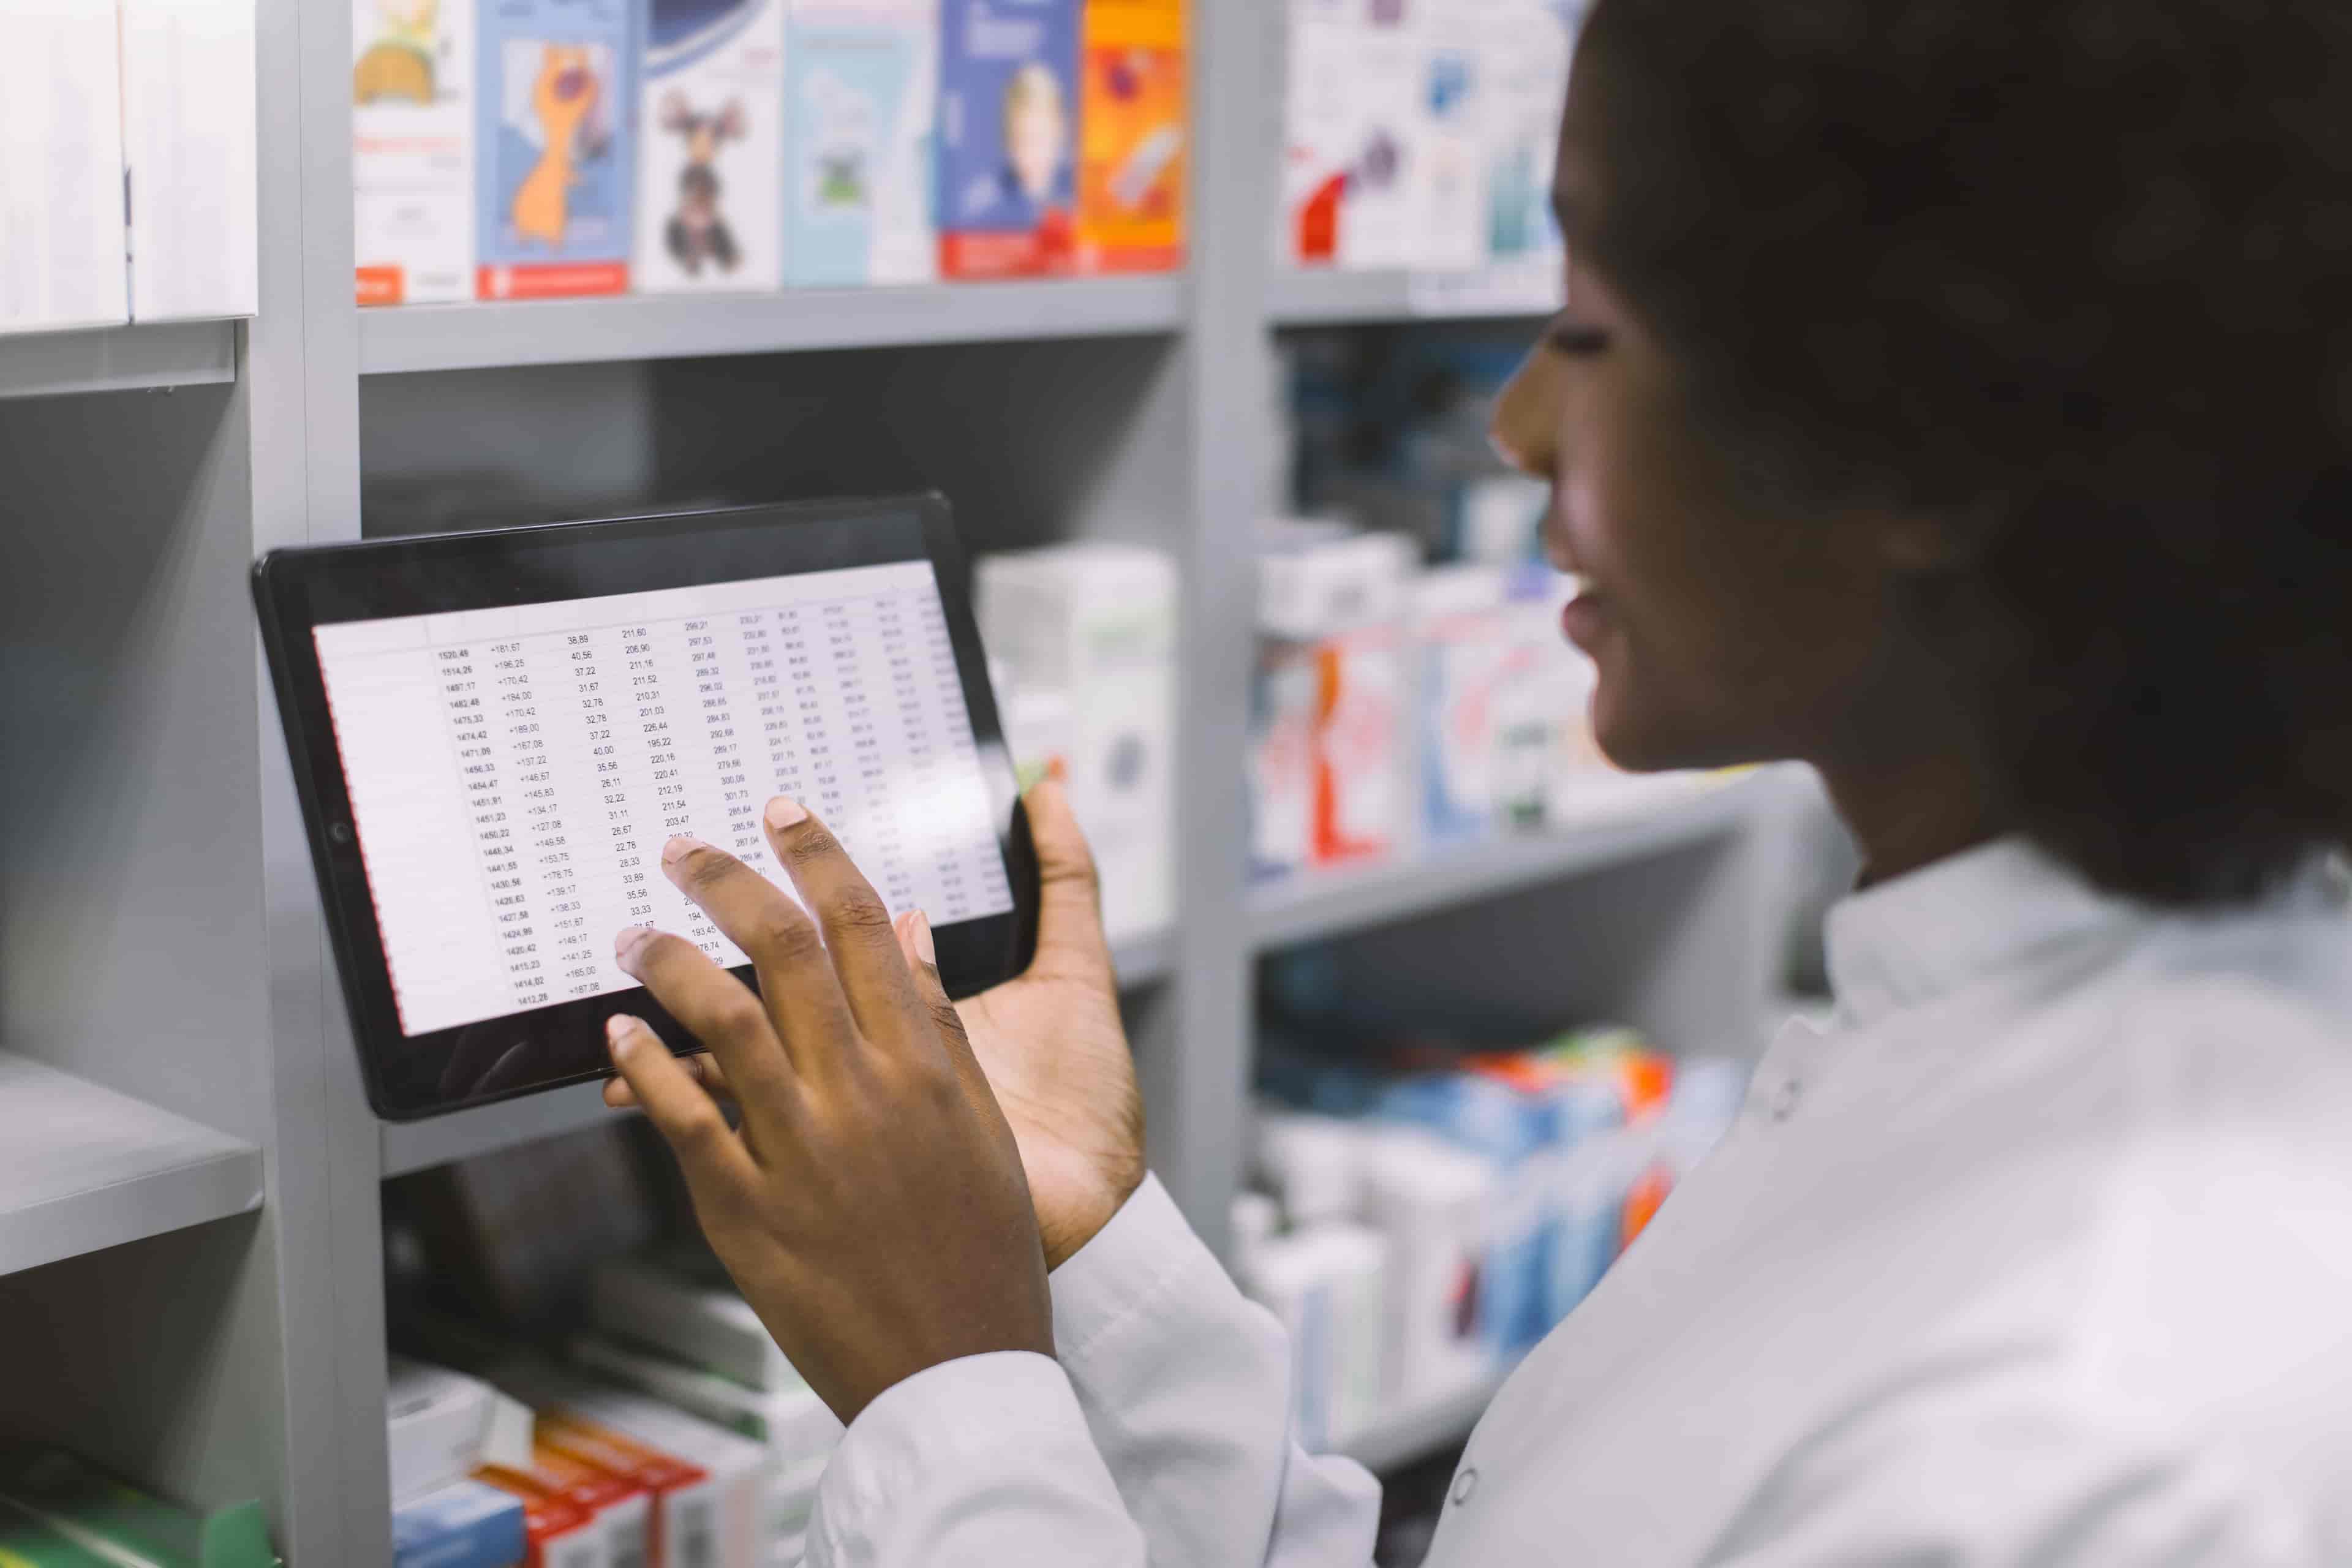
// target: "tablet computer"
[[494, 734]]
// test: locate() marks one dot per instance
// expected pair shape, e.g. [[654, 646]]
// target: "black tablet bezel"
[[547, 1048]]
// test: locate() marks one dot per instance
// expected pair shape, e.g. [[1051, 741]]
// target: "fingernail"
[[678, 848], [618, 1034], [921, 932], [785, 811], [629, 943]]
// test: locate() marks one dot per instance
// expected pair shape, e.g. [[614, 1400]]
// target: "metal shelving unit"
[[85, 1168], [652, 327], [1299, 298], [118, 359], [162, 950]]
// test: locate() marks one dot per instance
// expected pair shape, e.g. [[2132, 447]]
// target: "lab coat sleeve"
[[1161, 1435], [1186, 1387], [2000, 1464]]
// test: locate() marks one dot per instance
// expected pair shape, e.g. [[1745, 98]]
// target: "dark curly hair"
[[2076, 275]]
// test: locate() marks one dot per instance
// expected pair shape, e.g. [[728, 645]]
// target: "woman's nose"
[[1526, 415]]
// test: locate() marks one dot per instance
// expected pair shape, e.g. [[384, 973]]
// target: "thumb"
[[1069, 897]]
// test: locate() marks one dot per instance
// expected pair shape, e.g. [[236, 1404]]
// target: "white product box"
[[793, 1424], [1316, 579], [61, 169], [1327, 1286], [1454, 92], [1098, 621], [1355, 178], [741, 1472], [188, 144], [685, 1307], [1430, 1202], [440, 1425], [1313, 1164], [710, 147], [1462, 631], [1523, 49], [1282, 759], [413, 150]]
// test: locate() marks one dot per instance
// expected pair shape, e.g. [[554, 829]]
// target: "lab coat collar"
[[1930, 933]]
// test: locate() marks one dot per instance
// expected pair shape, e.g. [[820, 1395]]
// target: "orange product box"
[[684, 1525], [1134, 128], [622, 1505], [561, 1533]]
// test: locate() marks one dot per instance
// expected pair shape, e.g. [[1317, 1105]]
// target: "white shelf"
[[406, 1146], [1302, 298], [1418, 1431], [82, 1168], [118, 359], [676, 326], [1327, 903]]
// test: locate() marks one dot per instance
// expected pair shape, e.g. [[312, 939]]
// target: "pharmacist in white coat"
[[1954, 397]]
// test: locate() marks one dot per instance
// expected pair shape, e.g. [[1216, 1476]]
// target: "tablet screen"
[[514, 771]]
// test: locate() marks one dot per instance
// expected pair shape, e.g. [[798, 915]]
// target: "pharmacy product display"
[[528, 149], [59, 1510], [1433, 1215], [711, 146], [1085, 635], [1419, 134]]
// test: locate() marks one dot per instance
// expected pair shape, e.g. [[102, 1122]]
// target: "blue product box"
[[555, 139], [469, 1525], [1008, 137]]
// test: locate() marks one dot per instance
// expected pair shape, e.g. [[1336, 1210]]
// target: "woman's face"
[[1723, 632]]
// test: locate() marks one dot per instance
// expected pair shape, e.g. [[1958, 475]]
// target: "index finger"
[[858, 930]]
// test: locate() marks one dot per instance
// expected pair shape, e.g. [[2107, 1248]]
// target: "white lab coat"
[[2042, 1254]]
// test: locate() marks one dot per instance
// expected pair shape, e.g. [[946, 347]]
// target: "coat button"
[[1464, 1485], [1784, 1099]]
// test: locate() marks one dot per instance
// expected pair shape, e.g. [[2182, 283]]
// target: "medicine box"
[[862, 97], [1134, 120], [188, 143], [1355, 190], [555, 184], [468, 1524], [412, 87], [1462, 633], [1009, 137], [1097, 623], [1327, 1286], [61, 169], [558, 1534], [439, 1424], [680, 1303], [47, 1494], [710, 146], [793, 1425]]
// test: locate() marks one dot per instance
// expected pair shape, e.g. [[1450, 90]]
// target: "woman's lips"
[[1584, 618]]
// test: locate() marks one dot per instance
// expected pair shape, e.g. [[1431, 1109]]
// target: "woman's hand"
[[1052, 1047], [871, 1206]]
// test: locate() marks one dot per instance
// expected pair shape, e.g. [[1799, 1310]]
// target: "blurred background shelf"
[[1417, 1431], [118, 359], [1319, 904], [408, 1146], [1312, 299], [83, 1168], [679, 326]]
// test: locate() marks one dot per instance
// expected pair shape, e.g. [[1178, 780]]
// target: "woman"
[[1955, 396]]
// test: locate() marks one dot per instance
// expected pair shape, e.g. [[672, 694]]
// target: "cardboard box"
[[61, 169], [680, 1303], [858, 182], [557, 1534], [471, 1524], [1097, 623], [1009, 137], [1355, 182], [412, 87], [710, 149], [793, 1425], [554, 148], [441, 1425], [190, 156], [1135, 119]]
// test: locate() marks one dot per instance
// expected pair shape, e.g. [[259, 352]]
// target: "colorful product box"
[[469, 1524], [557, 1534], [1361, 773], [61, 169], [1009, 130], [412, 87], [710, 147], [621, 1505], [1354, 181], [1463, 635], [683, 1524], [743, 1473], [555, 182], [859, 186], [1134, 114]]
